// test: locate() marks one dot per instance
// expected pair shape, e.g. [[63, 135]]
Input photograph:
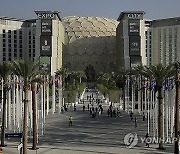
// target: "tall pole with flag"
[[53, 94], [47, 93]]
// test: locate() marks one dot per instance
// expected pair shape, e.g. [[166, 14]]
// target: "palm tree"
[[34, 108], [64, 73], [121, 82], [177, 99], [159, 74], [5, 71], [81, 75], [29, 72]]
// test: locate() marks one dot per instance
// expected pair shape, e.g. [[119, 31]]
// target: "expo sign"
[[42, 15]]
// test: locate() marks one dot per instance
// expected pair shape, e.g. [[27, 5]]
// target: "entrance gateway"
[[91, 75]]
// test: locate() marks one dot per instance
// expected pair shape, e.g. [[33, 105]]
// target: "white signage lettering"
[[46, 15], [46, 48], [134, 16]]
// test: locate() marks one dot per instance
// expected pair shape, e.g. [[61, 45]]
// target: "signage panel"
[[135, 61], [45, 15], [134, 27], [45, 64], [45, 44], [135, 15], [134, 45], [46, 27], [13, 135]]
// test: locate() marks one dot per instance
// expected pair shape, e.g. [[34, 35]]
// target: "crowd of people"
[[95, 108], [113, 111]]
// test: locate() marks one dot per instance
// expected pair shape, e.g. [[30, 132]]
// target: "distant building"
[[90, 44], [146, 42], [164, 41]]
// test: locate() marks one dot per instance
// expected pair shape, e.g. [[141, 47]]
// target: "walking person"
[[70, 121], [90, 111], [74, 107], [88, 107], [83, 107], [131, 115], [146, 139], [135, 120], [108, 112], [96, 109], [143, 116]]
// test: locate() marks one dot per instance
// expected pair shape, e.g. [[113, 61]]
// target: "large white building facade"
[[130, 39], [164, 38], [93, 44], [146, 42], [39, 39]]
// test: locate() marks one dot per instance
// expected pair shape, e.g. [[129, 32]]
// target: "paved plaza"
[[87, 135]]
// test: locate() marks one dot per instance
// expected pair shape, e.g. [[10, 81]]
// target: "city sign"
[[135, 15]]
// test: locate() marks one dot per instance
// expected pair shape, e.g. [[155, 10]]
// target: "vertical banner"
[[134, 41], [17, 104], [135, 46], [2, 85], [134, 26], [45, 38], [46, 45], [44, 98], [14, 103], [9, 110], [46, 27], [45, 64]]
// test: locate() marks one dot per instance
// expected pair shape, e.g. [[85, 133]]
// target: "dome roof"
[[80, 27], [89, 40]]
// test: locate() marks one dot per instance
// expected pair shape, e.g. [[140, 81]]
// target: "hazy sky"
[[155, 9]]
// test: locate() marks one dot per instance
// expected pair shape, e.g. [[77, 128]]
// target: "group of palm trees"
[[154, 73], [30, 73], [72, 82]]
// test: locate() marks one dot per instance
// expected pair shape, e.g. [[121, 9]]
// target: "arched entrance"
[[90, 74]]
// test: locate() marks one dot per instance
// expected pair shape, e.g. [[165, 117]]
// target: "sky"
[[154, 9]]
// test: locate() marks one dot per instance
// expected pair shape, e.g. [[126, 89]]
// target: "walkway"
[[87, 135]]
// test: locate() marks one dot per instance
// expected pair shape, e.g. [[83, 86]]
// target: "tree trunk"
[[3, 117], [25, 127], [176, 122], [160, 119], [34, 105]]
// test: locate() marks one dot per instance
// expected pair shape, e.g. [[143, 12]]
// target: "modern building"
[[130, 39], [164, 41], [146, 42], [90, 44], [37, 39]]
